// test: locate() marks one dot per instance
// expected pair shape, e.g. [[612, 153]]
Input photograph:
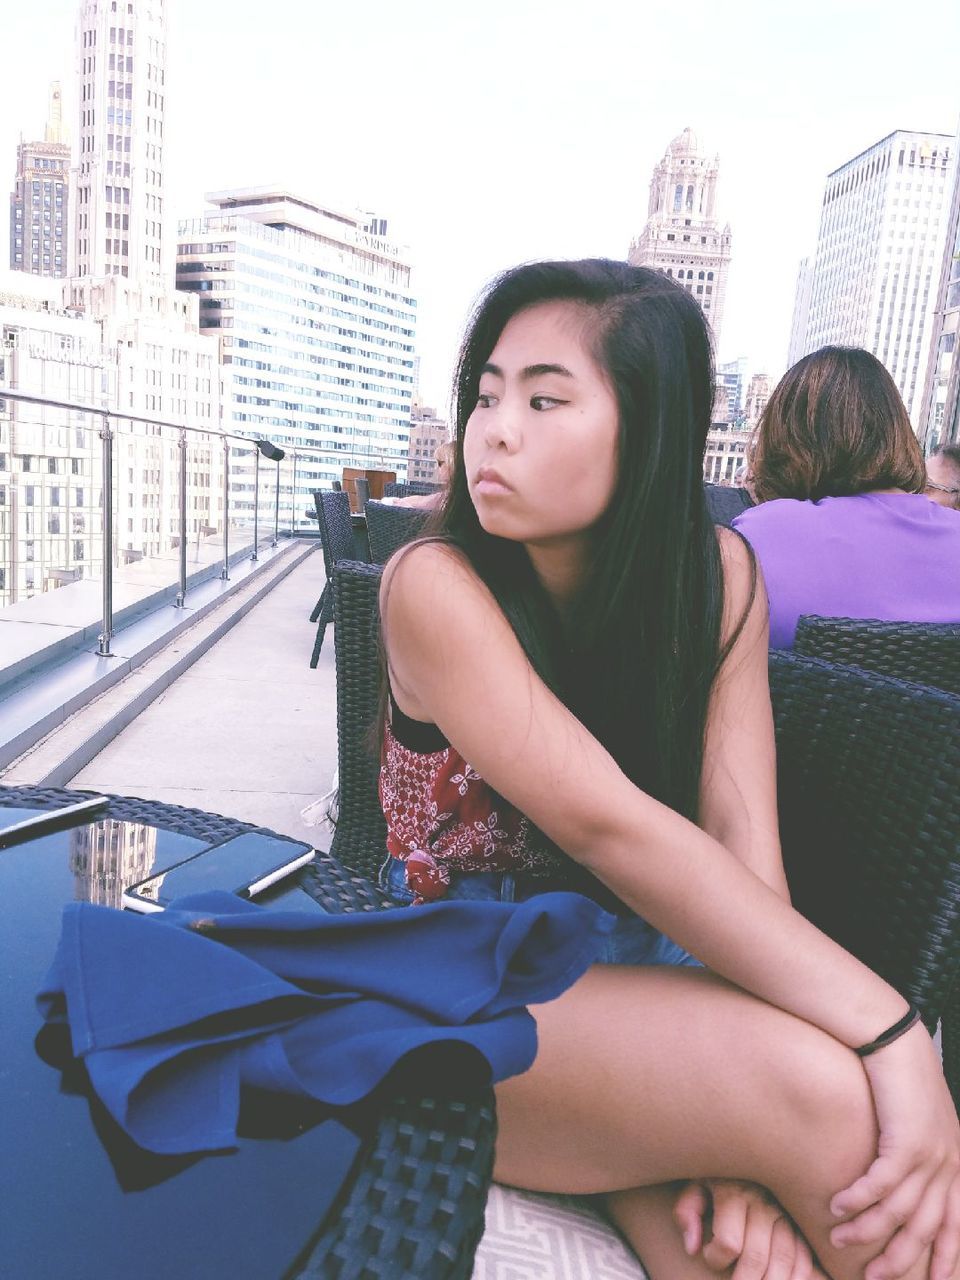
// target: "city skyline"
[[470, 192]]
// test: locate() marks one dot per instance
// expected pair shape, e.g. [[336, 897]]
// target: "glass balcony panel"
[[241, 494], [146, 504], [51, 527]]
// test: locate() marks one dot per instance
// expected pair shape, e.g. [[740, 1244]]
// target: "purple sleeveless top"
[[892, 556]]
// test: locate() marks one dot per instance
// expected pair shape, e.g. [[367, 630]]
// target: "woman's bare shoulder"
[[744, 597], [432, 595], [423, 569]]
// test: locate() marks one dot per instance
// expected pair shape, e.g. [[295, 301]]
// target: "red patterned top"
[[441, 815]]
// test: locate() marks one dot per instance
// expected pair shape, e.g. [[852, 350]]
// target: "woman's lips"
[[490, 482]]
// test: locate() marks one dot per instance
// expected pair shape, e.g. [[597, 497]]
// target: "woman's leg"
[[650, 1075]]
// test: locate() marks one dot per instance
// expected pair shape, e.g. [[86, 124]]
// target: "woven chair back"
[[870, 817], [360, 840], [390, 527], [336, 531], [726, 502], [406, 488], [362, 486], [925, 653]]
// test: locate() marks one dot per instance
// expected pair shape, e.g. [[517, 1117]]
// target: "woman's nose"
[[500, 428]]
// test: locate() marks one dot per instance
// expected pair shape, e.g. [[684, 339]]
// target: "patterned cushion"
[[536, 1237]]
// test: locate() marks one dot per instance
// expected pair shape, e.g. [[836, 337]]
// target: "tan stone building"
[[427, 433], [683, 238], [40, 200], [758, 393]]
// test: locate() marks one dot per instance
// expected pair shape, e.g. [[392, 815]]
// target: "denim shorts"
[[632, 941]]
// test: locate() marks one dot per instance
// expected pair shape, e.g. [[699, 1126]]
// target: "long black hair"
[[637, 661]]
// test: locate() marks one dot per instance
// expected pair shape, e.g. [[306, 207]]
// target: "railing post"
[[182, 446], [256, 500], [106, 436], [225, 571], [276, 511], [293, 498]]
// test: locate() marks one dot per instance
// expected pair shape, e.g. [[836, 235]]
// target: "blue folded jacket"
[[174, 1012]]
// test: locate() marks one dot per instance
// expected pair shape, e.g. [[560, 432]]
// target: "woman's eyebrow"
[[531, 371]]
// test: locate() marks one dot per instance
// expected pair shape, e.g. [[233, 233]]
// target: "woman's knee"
[[826, 1091]]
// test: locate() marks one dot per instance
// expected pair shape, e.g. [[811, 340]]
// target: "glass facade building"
[[941, 400], [316, 322]]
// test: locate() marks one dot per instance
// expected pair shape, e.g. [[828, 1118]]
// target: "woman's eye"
[[544, 402], [485, 399]]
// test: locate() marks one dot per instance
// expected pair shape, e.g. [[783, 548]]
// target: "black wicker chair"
[[925, 653], [415, 1205], [725, 502], [869, 803], [390, 527], [336, 540], [406, 488], [360, 839], [870, 824]]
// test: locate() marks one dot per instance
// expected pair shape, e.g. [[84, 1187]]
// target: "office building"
[[118, 180], [758, 393], [725, 455], [316, 322], [40, 200], [878, 256], [801, 311], [427, 433], [682, 237], [732, 375], [940, 409], [51, 530]]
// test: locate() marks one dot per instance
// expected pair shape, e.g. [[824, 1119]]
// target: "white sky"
[[492, 133]]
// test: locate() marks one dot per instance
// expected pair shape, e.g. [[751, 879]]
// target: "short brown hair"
[[834, 425]]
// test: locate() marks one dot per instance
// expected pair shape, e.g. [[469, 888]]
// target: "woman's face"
[[540, 448], [946, 478]]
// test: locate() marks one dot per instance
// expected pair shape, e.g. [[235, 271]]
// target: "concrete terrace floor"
[[249, 730]]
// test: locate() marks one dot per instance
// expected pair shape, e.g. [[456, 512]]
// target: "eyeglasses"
[[943, 488]]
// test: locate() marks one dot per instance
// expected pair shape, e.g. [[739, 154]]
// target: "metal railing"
[[235, 501]]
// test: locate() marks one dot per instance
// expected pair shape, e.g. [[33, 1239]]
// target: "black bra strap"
[[415, 735]]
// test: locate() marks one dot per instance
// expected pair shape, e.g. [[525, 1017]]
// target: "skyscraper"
[[682, 237], [878, 254], [39, 202], [939, 418], [118, 210]]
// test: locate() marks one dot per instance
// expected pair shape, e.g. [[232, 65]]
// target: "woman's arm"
[[738, 787], [455, 661]]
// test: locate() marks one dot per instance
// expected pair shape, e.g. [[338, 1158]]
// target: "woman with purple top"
[[842, 528]]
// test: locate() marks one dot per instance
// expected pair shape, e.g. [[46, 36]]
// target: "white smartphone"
[[246, 865]]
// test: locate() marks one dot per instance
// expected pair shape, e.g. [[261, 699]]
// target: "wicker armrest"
[[926, 653]]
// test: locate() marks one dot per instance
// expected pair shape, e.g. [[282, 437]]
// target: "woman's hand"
[[737, 1224], [910, 1195]]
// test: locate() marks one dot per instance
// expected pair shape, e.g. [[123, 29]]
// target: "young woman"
[[578, 697], [844, 527]]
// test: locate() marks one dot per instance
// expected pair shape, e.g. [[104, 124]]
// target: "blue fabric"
[[631, 940], [173, 1013]]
